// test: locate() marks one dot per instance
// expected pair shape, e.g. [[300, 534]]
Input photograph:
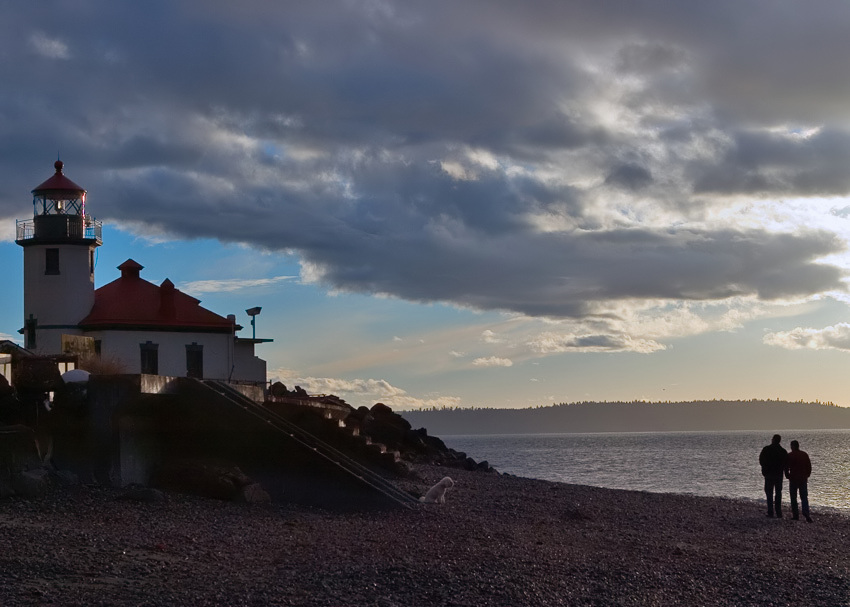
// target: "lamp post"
[[253, 312]]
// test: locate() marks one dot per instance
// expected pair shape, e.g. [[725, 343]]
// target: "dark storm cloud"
[[630, 176], [445, 151], [781, 164]]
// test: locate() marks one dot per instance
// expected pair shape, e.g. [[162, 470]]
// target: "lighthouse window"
[[51, 261], [150, 358]]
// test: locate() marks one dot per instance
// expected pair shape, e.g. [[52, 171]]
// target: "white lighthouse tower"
[[59, 243]]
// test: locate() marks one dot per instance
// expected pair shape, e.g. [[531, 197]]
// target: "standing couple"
[[776, 462]]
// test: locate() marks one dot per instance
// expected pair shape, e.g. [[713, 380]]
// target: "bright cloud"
[[362, 391], [230, 285], [492, 361], [489, 337], [836, 337]]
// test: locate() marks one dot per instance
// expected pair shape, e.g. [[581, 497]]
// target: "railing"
[[313, 444], [94, 230], [59, 226], [24, 229]]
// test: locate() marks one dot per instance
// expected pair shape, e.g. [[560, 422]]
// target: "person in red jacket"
[[798, 469]]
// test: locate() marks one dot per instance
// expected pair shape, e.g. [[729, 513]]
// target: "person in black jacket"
[[772, 459]]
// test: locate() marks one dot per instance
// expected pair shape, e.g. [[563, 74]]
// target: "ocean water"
[[697, 463]]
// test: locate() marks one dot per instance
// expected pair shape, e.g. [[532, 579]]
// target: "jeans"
[[773, 491], [803, 488]]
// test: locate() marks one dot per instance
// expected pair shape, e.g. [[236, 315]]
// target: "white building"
[[147, 328]]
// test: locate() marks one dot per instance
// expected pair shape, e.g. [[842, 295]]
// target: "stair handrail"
[[303, 437]]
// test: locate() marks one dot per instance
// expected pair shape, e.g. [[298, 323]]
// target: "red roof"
[[132, 303], [58, 183]]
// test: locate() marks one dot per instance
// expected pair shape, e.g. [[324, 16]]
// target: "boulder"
[[385, 426], [253, 493], [278, 389], [31, 483], [206, 479], [18, 449], [139, 493], [66, 478]]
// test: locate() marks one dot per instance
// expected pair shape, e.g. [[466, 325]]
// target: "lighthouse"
[[59, 243]]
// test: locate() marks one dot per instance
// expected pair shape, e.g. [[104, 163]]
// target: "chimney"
[[130, 269], [166, 299]]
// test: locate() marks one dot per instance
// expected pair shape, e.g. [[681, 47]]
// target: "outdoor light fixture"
[[252, 312]]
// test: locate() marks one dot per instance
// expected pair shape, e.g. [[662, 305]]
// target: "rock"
[[207, 479], [278, 389], [253, 493], [18, 450], [402, 469], [31, 483], [66, 478], [138, 493], [386, 427]]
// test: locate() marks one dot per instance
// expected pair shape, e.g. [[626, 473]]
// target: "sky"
[[461, 203]]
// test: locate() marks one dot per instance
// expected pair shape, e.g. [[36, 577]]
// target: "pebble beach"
[[498, 540]]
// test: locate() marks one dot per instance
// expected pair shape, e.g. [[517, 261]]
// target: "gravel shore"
[[498, 540]]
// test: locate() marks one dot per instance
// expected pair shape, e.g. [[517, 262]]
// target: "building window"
[[91, 261], [51, 261], [195, 360], [29, 326], [150, 358], [98, 347]]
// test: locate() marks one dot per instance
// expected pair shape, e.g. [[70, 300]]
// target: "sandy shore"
[[499, 540]]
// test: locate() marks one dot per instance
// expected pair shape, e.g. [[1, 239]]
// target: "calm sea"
[[697, 463]]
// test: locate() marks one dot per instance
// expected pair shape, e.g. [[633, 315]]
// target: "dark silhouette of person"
[[798, 469], [772, 459]]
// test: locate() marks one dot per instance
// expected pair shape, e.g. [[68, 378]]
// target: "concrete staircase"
[[310, 443]]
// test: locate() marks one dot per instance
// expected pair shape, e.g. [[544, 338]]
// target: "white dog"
[[437, 493]]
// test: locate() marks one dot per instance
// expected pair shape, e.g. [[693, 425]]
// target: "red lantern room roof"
[[58, 186]]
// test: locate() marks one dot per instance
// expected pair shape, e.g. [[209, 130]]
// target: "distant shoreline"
[[588, 417]]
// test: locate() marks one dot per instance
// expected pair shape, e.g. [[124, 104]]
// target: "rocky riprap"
[[379, 423], [385, 426]]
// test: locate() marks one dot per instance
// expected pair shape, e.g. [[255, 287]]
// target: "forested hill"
[[638, 416]]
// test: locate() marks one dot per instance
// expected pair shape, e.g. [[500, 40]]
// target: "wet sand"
[[498, 540]]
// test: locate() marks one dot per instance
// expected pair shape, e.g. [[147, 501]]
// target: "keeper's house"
[[145, 328]]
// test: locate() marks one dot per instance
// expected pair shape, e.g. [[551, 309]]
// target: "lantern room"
[[59, 213]]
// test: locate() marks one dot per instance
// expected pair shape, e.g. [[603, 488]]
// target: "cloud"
[[492, 361], [619, 164], [230, 285], [489, 337], [836, 337], [50, 48], [362, 391], [551, 343]]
